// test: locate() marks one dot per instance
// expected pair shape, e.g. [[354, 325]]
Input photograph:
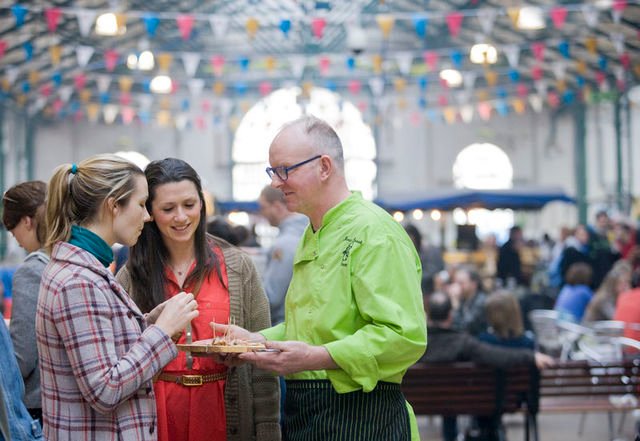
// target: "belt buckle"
[[191, 380]]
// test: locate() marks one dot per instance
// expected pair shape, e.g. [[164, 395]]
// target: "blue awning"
[[448, 199]]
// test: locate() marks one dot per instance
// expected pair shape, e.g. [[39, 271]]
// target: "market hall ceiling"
[[52, 59]]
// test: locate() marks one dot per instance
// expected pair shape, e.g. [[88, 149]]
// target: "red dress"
[[196, 413]]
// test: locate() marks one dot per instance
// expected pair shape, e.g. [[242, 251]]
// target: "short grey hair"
[[323, 138]]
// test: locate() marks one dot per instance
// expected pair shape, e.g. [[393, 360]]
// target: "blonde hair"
[[504, 315], [77, 192]]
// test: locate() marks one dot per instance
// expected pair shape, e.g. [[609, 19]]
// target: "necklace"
[[180, 270]]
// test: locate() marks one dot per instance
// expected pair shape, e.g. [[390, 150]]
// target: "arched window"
[[250, 151], [484, 166]]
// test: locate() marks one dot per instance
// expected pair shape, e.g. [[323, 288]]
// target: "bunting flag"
[[195, 86], [354, 86], [52, 16], [514, 15], [125, 83], [420, 25], [190, 60], [185, 25], [324, 63], [376, 84], [590, 14], [19, 13], [28, 50], [538, 50], [219, 25], [83, 55], [317, 27], [558, 16], [454, 22], [110, 59], [80, 80], [404, 60], [55, 52], [251, 26], [265, 88], [65, 92], [85, 19], [487, 18], [385, 23], [431, 60], [151, 23], [3, 48], [285, 27], [297, 64], [217, 64], [512, 52], [164, 60], [103, 82]]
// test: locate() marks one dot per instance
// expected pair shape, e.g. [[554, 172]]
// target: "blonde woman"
[[98, 353]]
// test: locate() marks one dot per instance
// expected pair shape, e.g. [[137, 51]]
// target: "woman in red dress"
[[197, 398]]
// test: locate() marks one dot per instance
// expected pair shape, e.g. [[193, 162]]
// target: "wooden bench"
[[574, 386]]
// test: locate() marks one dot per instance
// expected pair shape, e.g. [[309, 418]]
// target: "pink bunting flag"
[[415, 118], [362, 106], [3, 48], [77, 117], [354, 86], [454, 22], [175, 86], [442, 100], [217, 64], [538, 50], [536, 73], [57, 105], [185, 25], [324, 64], [600, 78], [110, 59], [558, 16], [79, 81], [317, 27], [127, 114], [200, 123], [484, 110], [621, 84], [46, 90], [553, 99], [619, 5], [125, 98], [430, 59], [265, 88], [444, 83], [522, 90], [52, 15], [206, 106], [625, 60]]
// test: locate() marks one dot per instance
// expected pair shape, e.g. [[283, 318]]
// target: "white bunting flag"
[[83, 55], [195, 86], [469, 79], [191, 60], [103, 82], [512, 52], [64, 92], [109, 112], [404, 61], [85, 20], [376, 84], [298, 63], [535, 101], [12, 73], [219, 25], [590, 15], [487, 17]]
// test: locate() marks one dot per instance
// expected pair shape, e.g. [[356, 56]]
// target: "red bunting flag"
[[110, 59], [619, 5], [522, 90], [52, 15], [317, 27], [45, 90], [185, 25], [442, 100], [625, 60], [125, 98], [324, 64], [558, 16], [3, 48], [454, 22], [57, 105], [600, 78], [553, 99], [538, 50]]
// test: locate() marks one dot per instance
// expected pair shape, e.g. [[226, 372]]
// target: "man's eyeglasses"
[[282, 172]]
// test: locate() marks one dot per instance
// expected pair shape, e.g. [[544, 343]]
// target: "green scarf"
[[91, 242]]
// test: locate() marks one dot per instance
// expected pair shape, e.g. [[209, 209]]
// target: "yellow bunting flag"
[[587, 93], [245, 105], [218, 88], [121, 21], [234, 122], [376, 61], [21, 100], [164, 61], [581, 67], [270, 63], [6, 86], [125, 84], [165, 103], [385, 23], [251, 25], [399, 84], [93, 110], [514, 15], [401, 103], [518, 106], [163, 118], [591, 43], [85, 95], [636, 69], [491, 77], [34, 77], [450, 114], [482, 95], [561, 85], [306, 89], [55, 52]]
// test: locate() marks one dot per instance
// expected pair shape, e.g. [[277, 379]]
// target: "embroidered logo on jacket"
[[347, 250]]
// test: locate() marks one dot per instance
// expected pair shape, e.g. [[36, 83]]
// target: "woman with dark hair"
[[197, 398], [98, 353], [23, 216]]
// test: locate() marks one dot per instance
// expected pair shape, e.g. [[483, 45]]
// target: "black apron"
[[314, 411]]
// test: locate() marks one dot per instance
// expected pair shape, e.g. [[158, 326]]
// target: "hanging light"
[[452, 77], [482, 53], [398, 216], [161, 84], [436, 215], [417, 214], [531, 18], [109, 24], [146, 61]]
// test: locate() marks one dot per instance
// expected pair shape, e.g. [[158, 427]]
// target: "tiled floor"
[[552, 427]]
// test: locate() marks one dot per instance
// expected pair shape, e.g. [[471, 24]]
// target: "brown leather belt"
[[192, 380]]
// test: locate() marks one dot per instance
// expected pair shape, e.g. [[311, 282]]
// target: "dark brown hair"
[[579, 273], [504, 314], [25, 199]]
